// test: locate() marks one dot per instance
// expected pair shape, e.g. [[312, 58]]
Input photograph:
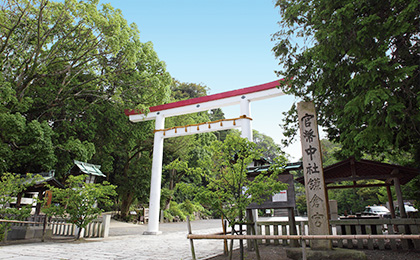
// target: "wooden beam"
[[357, 186], [359, 178], [299, 237]]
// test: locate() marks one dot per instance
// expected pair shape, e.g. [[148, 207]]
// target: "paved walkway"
[[126, 241]]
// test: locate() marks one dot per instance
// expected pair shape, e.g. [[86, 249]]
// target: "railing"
[[55, 227], [353, 227], [32, 228], [61, 227], [97, 228], [377, 227], [278, 228]]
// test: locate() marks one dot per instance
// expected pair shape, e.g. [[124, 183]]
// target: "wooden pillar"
[[19, 199], [39, 203], [399, 197], [390, 201], [292, 226]]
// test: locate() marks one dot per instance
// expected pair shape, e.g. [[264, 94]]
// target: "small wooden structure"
[[357, 170], [283, 200], [92, 170], [37, 190]]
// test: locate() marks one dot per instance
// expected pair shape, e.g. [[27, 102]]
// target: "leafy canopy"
[[61, 65], [359, 62]]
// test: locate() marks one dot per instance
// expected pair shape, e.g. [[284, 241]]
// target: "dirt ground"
[[279, 253]]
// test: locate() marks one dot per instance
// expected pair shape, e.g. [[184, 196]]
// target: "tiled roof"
[[89, 168]]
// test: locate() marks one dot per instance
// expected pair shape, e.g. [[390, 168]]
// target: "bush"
[[184, 209]]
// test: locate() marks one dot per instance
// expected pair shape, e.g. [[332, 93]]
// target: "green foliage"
[[229, 191], [26, 146], [182, 154], [182, 210], [174, 211], [10, 186], [266, 144], [301, 205], [359, 62], [78, 201], [329, 152], [67, 71]]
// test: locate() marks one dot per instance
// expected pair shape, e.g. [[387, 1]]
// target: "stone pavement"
[[126, 241]]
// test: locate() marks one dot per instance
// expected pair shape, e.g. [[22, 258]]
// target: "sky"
[[222, 44]]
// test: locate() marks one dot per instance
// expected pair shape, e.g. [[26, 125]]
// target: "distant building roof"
[[45, 178], [263, 168], [88, 168]]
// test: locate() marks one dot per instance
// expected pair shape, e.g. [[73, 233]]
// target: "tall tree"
[[62, 64], [124, 150], [359, 62]]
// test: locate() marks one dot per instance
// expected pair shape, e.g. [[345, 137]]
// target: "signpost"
[[285, 199], [316, 198], [281, 200]]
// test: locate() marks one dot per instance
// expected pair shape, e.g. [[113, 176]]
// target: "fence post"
[[191, 241], [225, 245], [303, 242], [105, 225], [44, 226]]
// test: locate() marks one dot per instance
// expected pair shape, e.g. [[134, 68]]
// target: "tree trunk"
[[167, 203], [241, 241], [78, 233], [172, 175], [126, 202]]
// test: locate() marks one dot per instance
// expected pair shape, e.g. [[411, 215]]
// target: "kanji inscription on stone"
[[314, 176]]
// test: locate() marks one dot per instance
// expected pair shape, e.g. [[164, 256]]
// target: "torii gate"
[[240, 96]]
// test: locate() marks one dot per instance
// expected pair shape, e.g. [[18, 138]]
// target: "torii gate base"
[[241, 96]]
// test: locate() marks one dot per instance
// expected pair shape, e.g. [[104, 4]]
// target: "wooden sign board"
[[283, 199]]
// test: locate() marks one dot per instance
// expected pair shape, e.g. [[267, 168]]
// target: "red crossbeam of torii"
[[204, 103]]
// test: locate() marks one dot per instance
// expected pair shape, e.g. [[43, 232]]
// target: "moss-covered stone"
[[334, 254]]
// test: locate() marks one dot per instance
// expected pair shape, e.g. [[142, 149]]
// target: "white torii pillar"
[[246, 126], [154, 201], [158, 113]]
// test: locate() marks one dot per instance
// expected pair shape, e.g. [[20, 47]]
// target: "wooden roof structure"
[[86, 168], [357, 170]]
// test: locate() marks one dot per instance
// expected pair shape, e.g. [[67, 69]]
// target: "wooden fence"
[[353, 227]]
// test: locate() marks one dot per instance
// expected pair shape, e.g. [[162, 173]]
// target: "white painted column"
[[155, 186], [246, 128], [246, 123]]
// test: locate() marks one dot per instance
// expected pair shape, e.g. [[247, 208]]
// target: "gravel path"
[[126, 241]]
